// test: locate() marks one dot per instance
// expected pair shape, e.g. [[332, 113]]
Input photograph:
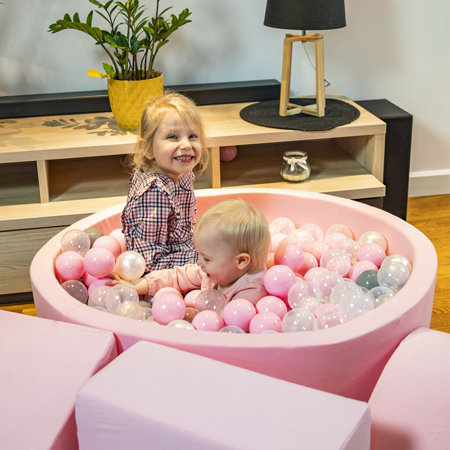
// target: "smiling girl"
[[158, 217]]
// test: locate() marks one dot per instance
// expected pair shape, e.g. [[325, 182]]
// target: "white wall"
[[393, 49]]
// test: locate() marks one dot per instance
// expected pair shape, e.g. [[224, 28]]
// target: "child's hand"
[[140, 284]]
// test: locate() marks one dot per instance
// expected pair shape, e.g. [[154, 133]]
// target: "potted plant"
[[132, 40]]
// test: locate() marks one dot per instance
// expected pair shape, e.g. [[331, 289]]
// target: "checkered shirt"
[[158, 219]]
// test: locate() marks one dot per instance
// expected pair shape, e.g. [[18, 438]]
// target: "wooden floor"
[[431, 215]]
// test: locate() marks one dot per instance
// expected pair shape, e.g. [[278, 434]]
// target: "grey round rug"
[[265, 113]]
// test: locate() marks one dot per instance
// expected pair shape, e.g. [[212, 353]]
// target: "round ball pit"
[[345, 360]]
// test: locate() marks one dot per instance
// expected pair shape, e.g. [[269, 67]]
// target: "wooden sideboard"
[[55, 170]]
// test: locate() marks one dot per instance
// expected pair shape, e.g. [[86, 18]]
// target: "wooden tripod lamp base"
[[289, 109]]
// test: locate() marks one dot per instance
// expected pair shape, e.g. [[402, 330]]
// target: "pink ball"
[[265, 321], [207, 320], [313, 274], [332, 239], [272, 304], [316, 248], [275, 238], [371, 252], [289, 254], [239, 312], [190, 298], [359, 267], [168, 290], [109, 243], [99, 261], [168, 306], [118, 235], [278, 280], [340, 228], [309, 262], [69, 265], [325, 308], [88, 279], [228, 153], [283, 225]]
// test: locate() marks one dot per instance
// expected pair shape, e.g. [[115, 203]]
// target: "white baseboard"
[[429, 182]]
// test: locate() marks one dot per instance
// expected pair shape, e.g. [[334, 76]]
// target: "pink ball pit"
[[345, 360]]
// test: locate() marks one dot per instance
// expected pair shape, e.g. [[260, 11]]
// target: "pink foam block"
[[354, 352], [43, 364], [211, 405], [410, 404]]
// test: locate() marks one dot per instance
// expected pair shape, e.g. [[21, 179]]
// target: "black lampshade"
[[305, 14]]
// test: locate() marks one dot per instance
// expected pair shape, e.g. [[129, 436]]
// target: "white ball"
[[130, 266]]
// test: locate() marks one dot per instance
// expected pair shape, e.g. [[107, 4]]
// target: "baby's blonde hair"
[[152, 116], [242, 226]]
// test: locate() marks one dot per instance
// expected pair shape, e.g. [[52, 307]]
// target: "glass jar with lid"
[[295, 166]]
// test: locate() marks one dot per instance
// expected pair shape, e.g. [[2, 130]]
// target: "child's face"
[[217, 259], [176, 146]]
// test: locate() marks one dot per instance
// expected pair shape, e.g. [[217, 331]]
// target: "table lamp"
[[304, 15]]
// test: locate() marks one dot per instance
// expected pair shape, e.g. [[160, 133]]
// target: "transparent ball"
[[393, 275], [302, 290], [336, 260], [326, 281], [345, 290], [381, 294], [354, 306], [329, 319], [122, 300], [283, 225], [98, 296], [181, 324], [232, 329], [298, 319], [210, 299], [142, 314], [374, 237], [401, 259], [314, 229], [75, 241]]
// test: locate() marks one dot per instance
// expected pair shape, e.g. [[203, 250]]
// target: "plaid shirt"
[[158, 219]]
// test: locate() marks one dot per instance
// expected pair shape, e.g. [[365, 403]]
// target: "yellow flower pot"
[[128, 99]]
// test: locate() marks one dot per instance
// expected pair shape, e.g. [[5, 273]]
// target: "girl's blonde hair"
[[242, 226], [152, 116]]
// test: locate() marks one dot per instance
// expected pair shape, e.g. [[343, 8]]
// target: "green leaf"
[[89, 18], [109, 70]]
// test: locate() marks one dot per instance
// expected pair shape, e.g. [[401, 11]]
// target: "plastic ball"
[[381, 294], [278, 280], [118, 235], [329, 319], [332, 239], [98, 296], [190, 314], [239, 312], [283, 225], [75, 241], [326, 281], [309, 261], [359, 267], [99, 262], [265, 321], [345, 290], [232, 329], [313, 274], [69, 265], [289, 254], [393, 275], [302, 237], [272, 304], [109, 243], [316, 248], [94, 234], [371, 252], [122, 300], [300, 291], [228, 153], [130, 266], [340, 228], [142, 314], [191, 297], [98, 282], [208, 320], [373, 237], [168, 306], [88, 279], [352, 308], [76, 289], [211, 299], [313, 229], [336, 260], [368, 279], [298, 319], [325, 307], [181, 324], [399, 258], [350, 247]]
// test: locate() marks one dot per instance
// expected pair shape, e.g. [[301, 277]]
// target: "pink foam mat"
[[345, 360], [43, 363]]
